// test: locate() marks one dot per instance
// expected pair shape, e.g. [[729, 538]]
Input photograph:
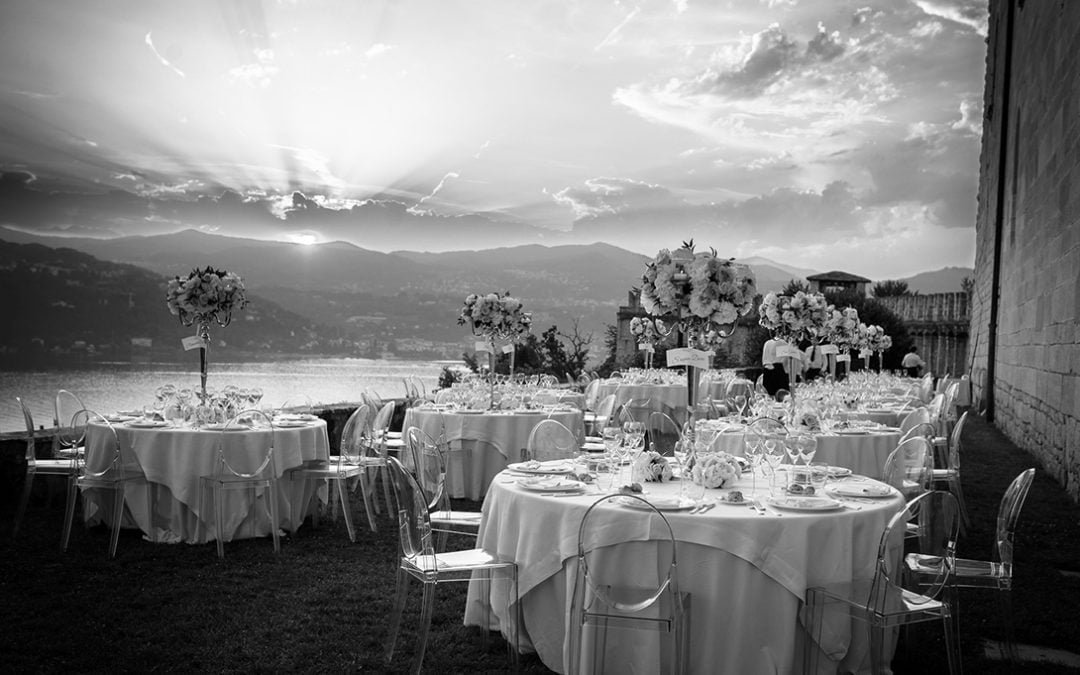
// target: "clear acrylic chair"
[[597, 604], [922, 429], [102, 472], [948, 476], [885, 602], [909, 467], [229, 477], [739, 386], [920, 415], [664, 433], [61, 468], [635, 410], [597, 420], [380, 447], [429, 458], [550, 440], [67, 440], [298, 404], [420, 561], [996, 573], [339, 469]]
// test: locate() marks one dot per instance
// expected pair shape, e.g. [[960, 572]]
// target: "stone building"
[[1025, 318], [837, 282], [939, 324]]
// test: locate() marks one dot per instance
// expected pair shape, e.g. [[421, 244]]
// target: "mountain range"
[[406, 302]]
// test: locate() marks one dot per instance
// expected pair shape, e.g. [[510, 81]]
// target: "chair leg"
[[219, 523], [275, 521], [515, 611], [384, 474], [369, 508], [952, 644], [118, 516], [69, 515], [815, 613], [395, 617], [1005, 603], [878, 663], [965, 519], [24, 499], [343, 497], [425, 626]]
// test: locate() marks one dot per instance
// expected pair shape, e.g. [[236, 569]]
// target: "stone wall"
[[1029, 380], [939, 324]]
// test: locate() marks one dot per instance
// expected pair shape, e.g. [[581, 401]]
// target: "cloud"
[[612, 37], [605, 195], [970, 13], [164, 61], [260, 74], [378, 49]]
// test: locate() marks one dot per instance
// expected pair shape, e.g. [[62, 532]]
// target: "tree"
[[578, 352], [890, 288], [793, 286]]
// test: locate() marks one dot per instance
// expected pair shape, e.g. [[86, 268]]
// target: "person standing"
[[775, 377], [913, 363]]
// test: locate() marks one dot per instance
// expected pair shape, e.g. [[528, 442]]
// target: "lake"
[[108, 387]]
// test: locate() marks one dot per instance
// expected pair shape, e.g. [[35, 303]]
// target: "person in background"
[[815, 363], [775, 376], [913, 363]]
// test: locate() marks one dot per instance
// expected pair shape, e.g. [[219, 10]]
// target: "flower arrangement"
[[700, 291], [873, 338], [648, 331], [205, 295], [796, 317], [716, 470], [651, 467], [495, 316], [842, 327]]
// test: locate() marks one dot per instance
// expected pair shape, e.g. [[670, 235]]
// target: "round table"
[[482, 443], [747, 574], [173, 460], [862, 451]]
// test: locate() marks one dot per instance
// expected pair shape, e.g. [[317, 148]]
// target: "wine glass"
[[184, 397], [613, 437], [740, 405], [774, 452], [754, 454]]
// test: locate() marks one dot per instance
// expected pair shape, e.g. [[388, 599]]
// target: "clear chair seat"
[[328, 471], [897, 605], [454, 561]]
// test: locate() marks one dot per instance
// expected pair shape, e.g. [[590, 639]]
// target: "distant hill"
[[944, 280], [58, 303]]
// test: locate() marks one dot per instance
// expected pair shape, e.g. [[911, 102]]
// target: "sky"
[[822, 134]]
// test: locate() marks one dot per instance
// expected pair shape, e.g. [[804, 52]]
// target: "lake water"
[[110, 387]]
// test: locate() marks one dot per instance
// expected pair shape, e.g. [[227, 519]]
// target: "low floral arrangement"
[[807, 420], [716, 470], [842, 328], [495, 315], [700, 291], [651, 467], [796, 317], [205, 295]]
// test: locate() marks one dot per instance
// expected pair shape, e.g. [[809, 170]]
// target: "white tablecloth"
[[173, 459], [658, 395], [863, 453], [483, 444], [747, 574]]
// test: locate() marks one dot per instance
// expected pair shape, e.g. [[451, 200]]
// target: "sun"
[[303, 238]]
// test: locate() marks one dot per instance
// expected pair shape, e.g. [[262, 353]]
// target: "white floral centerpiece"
[[842, 328], [495, 316], [796, 317], [716, 470], [649, 334], [651, 467], [205, 296]]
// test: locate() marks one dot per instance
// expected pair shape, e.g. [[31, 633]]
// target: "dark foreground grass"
[[323, 604]]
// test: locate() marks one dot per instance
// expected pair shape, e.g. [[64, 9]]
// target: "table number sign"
[[684, 356], [192, 342]]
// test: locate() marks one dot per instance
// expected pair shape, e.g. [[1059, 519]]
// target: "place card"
[[193, 342], [508, 349], [685, 356], [843, 358], [829, 349]]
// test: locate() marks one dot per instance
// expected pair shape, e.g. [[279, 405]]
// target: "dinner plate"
[[542, 468], [661, 503], [223, 426], [851, 432], [872, 489], [147, 424], [839, 471], [291, 424], [804, 503], [593, 447], [529, 412], [888, 430], [469, 411], [121, 418], [551, 484], [297, 417]]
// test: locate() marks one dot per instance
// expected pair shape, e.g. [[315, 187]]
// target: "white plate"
[[529, 412], [874, 490], [661, 503], [222, 426], [468, 411], [147, 424], [542, 468], [839, 471], [551, 484], [804, 503], [295, 417], [851, 432], [120, 418], [291, 424]]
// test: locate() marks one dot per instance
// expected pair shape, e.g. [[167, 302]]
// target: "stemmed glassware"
[[773, 451], [613, 438], [754, 454]]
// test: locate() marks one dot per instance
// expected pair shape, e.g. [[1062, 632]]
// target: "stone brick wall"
[[939, 324], [1036, 378]]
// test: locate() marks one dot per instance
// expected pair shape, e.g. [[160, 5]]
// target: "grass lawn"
[[324, 603]]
